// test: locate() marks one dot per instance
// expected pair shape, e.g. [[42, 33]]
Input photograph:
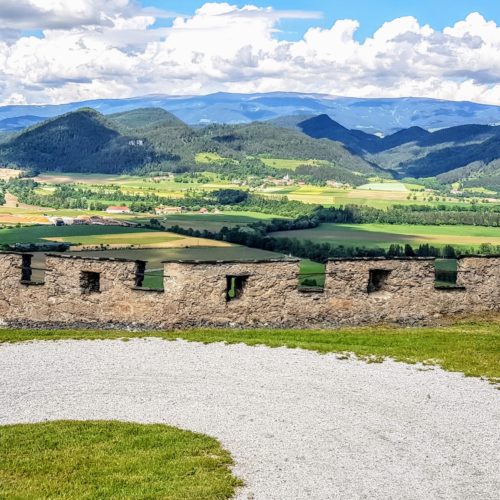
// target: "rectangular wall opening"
[[312, 276], [30, 274], [26, 270], [149, 280], [378, 280], [90, 282], [140, 270], [446, 273], [235, 286]]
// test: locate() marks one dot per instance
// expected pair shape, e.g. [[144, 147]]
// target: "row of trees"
[[68, 196], [259, 235]]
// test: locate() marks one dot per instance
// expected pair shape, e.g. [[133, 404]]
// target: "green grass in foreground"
[[94, 460], [472, 348]]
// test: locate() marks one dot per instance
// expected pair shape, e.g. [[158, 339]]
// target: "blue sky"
[[68, 50], [370, 13]]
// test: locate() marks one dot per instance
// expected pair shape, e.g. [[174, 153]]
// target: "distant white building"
[[118, 210]]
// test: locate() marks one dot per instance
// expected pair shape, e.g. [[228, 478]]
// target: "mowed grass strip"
[[93, 460], [472, 347]]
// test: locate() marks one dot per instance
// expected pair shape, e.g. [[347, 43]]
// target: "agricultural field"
[[112, 236], [130, 184], [383, 235], [377, 195], [9, 173], [214, 222], [397, 187]]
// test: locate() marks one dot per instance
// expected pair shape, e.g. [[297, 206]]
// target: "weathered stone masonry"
[[265, 293]]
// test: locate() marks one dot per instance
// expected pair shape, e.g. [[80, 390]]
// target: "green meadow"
[[383, 235], [88, 235], [214, 222]]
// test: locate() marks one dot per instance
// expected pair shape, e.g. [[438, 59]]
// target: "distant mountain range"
[[152, 139], [414, 151], [383, 116]]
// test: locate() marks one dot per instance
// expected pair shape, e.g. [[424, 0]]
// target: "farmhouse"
[[95, 291]]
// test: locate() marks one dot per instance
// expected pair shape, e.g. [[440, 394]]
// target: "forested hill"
[[145, 118], [416, 152], [265, 139], [82, 141], [149, 139], [86, 141]]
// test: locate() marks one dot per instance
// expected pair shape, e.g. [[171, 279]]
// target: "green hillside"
[[264, 139], [147, 139], [144, 118], [82, 141]]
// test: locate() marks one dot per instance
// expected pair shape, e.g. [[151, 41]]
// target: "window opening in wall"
[[32, 269], [378, 280], [235, 286], [26, 271], [90, 282], [140, 269], [312, 276], [446, 273], [148, 279]]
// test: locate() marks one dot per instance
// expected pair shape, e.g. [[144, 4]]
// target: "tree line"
[[259, 235], [72, 197]]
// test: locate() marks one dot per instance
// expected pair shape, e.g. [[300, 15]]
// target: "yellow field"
[[12, 202], [9, 173], [377, 195], [142, 240]]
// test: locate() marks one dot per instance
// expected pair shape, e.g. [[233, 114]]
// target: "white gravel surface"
[[299, 424]]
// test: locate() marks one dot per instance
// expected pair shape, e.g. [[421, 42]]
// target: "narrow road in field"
[[299, 425]]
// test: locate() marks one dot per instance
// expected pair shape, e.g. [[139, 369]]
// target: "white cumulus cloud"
[[112, 48]]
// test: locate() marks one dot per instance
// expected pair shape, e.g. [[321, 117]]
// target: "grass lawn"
[[382, 235], [472, 347], [93, 460]]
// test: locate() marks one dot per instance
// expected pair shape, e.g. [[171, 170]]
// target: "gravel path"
[[299, 425]]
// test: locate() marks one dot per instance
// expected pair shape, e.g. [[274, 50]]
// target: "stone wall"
[[101, 292]]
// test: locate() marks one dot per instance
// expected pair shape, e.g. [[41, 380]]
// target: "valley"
[[145, 182]]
